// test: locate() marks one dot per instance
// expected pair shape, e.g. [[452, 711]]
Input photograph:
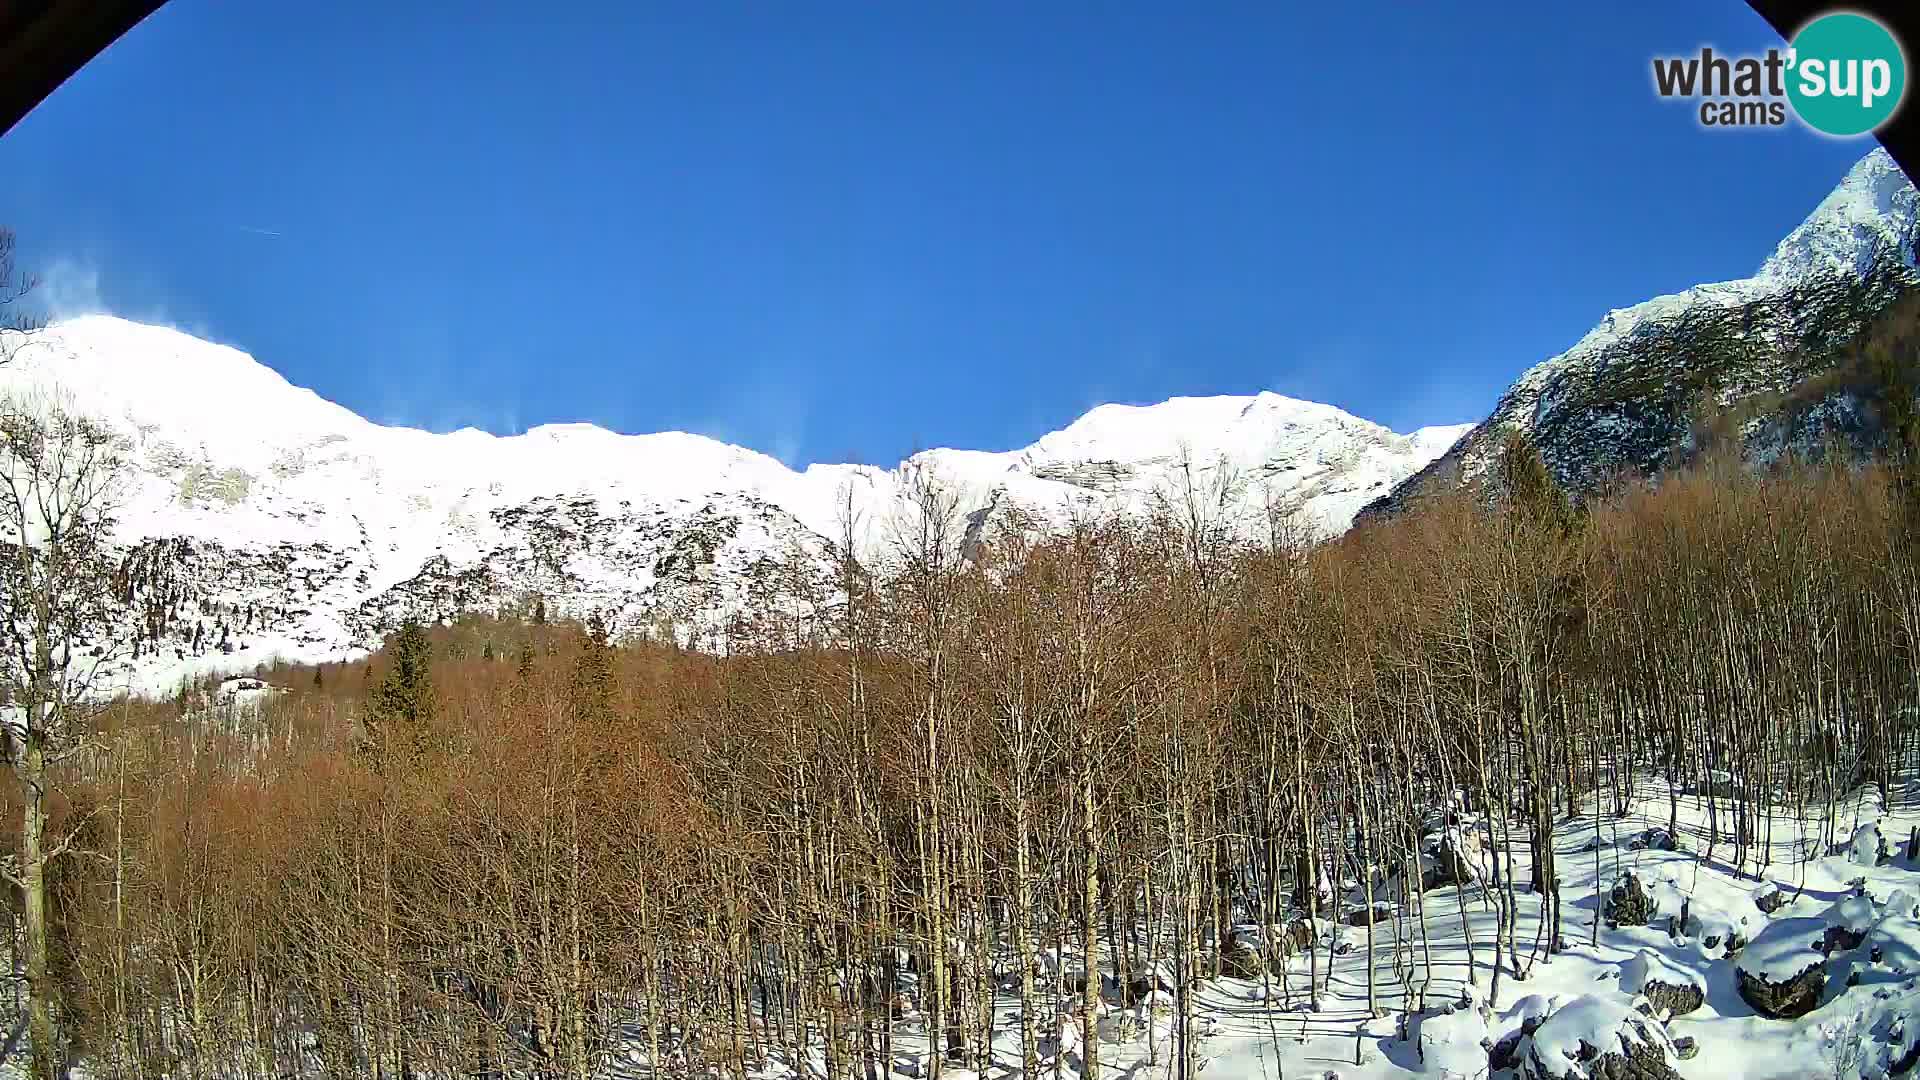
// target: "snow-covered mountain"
[[1624, 397], [262, 520]]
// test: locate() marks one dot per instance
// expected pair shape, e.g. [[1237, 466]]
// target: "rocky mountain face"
[[260, 521], [1765, 357]]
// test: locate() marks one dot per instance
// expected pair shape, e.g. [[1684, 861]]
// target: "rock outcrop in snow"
[[1672, 990], [1782, 972], [1594, 1037]]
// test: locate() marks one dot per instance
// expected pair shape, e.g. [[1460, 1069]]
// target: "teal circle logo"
[[1847, 74]]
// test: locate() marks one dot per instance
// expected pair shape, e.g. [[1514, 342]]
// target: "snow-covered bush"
[[1868, 847]]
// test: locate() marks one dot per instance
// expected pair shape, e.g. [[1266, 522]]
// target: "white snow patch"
[[1647, 966], [1785, 950]]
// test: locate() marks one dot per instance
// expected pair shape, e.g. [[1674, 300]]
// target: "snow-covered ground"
[[1867, 1021]]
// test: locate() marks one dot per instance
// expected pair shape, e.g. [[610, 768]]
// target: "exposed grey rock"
[[1504, 1055], [1242, 962], [1795, 997], [1662, 987], [1381, 912], [1673, 1000], [1628, 903], [1841, 939], [1783, 972], [1848, 921], [1654, 840]]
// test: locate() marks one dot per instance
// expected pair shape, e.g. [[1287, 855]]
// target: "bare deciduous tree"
[[16, 323], [59, 482]]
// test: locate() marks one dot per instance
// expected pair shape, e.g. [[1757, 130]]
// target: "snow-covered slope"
[[1622, 399], [263, 520]]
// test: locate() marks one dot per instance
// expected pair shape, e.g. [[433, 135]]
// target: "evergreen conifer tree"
[[1528, 488], [592, 689], [1893, 366], [403, 706]]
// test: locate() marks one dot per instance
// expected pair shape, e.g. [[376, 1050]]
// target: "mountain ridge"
[[266, 521], [1621, 398]]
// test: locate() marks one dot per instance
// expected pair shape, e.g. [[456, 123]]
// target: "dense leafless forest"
[[511, 846]]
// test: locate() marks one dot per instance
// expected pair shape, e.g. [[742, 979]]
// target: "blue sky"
[[849, 230]]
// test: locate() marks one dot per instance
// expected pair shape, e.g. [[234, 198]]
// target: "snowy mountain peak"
[[1620, 400], [268, 521], [1871, 212], [568, 430], [1258, 431]]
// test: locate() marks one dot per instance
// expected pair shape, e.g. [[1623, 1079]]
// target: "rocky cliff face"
[[1766, 357]]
